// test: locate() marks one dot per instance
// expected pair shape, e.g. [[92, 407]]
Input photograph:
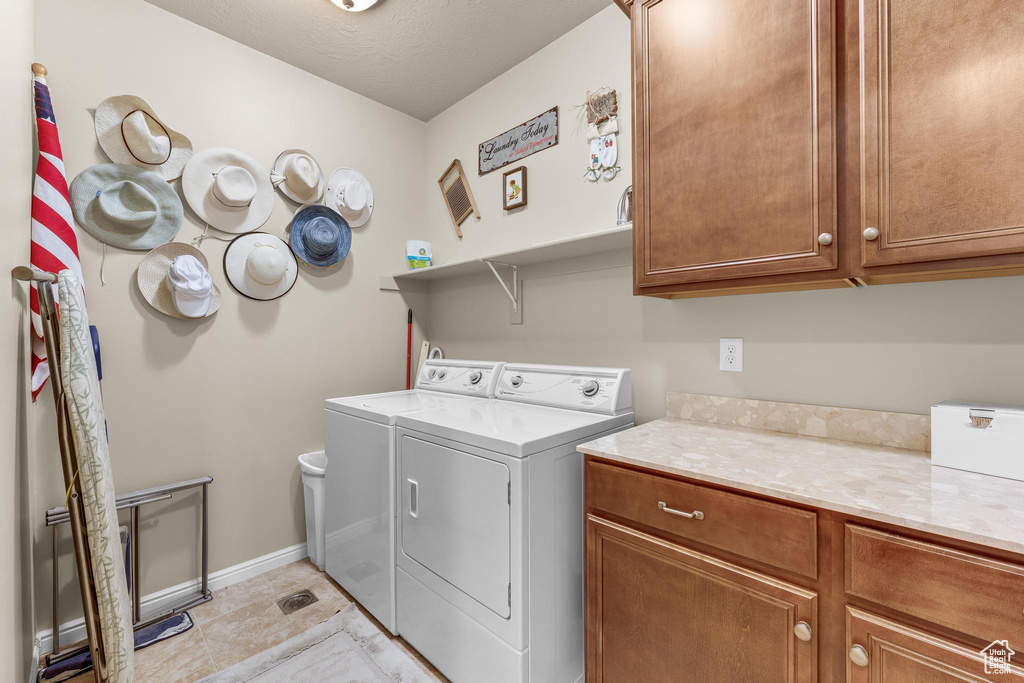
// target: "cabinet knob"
[[802, 631], [870, 234], [825, 239], [858, 655]]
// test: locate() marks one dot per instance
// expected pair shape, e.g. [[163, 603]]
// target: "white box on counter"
[[979, 438]]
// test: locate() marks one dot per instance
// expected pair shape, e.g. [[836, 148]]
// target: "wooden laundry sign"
[[536, 134]]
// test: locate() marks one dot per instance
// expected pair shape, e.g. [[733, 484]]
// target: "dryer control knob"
[[590, 387], [517, 381], [475, 377]]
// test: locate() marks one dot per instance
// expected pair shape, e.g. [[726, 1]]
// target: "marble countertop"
[[884, 484]]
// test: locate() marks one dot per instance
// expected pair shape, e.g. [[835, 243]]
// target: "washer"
[[359, 439], [490, 544]]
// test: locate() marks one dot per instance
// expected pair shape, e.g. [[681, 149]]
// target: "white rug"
[[346, 648]]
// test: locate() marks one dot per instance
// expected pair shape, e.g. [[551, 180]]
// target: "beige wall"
[[560, 202], [899, 347], [239, 396], [17, 622]]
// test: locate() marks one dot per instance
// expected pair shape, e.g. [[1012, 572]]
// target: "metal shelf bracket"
[[513, 294]]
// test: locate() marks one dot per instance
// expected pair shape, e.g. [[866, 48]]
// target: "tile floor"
[[243, 620]]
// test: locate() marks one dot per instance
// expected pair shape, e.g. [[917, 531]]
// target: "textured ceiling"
[[418, 56]]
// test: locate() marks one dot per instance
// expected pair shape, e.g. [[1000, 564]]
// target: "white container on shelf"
[[979, 438], [313, 467]]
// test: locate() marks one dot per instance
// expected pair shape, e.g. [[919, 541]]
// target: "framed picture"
[[513, 186]]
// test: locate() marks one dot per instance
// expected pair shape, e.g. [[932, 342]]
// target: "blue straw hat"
[[319, 236]]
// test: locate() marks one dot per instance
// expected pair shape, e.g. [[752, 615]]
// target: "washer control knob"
[[590, 387], [429, 373], [442, 373], [475, 377], [517, 381]]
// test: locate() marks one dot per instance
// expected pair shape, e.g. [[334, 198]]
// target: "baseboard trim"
[[73, 631]]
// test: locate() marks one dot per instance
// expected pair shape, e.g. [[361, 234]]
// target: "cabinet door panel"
[[942, 128], [900, 654], [734, 139], [661, 612]]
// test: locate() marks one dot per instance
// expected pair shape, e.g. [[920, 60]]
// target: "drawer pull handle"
[[696, 514], [802, 631], [858, 655]]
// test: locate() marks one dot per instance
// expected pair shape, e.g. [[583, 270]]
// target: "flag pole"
[[68, 455]]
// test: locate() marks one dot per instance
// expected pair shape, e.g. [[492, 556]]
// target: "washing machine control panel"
[[599, 390], [472, 378]]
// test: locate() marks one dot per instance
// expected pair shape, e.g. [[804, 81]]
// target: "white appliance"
[[359, 439], [987, 439], [490, 544]]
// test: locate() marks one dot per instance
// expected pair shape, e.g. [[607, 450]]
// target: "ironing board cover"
[[85, 410]]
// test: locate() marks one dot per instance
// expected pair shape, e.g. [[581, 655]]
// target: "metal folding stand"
[[133, 502]]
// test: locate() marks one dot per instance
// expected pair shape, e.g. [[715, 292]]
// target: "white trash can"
[[313, 467]]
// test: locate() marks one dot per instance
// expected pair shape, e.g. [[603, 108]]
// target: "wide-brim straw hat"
[[251, 270], [343, 182], [319, 236], [298, 175], [130, 132], [156, 290], [125, 206], [228, 189]]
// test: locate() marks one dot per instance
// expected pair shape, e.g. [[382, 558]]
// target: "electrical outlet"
[[730, 355]]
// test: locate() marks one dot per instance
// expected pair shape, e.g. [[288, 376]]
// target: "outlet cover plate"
[[730, 354]]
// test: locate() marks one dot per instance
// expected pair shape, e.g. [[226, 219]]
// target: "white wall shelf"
[[610, 239]]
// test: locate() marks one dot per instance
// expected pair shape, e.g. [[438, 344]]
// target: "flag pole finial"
[[39, 70]]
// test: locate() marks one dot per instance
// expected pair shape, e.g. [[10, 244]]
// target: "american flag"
[[54, 242]]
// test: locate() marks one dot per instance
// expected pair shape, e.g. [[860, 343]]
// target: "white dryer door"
[[455, 519]]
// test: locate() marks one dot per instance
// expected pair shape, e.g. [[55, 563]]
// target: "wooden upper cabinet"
[[734, 171], [662, 613], [942, 126]]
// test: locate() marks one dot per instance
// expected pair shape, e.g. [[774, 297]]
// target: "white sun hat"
[[350, 194], [298, 176], [260, 266], [130, 132], [228, 190], [175, 279]]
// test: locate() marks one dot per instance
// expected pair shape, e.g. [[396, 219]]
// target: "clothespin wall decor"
[[599, 115]]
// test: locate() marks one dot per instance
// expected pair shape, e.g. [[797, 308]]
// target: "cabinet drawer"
[[774, 534], [968, 593]]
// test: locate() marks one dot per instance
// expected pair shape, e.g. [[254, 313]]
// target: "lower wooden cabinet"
[[884, 651], [657, 611], [679, 589]]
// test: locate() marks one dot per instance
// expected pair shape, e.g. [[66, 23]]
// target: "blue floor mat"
[[162, 630]]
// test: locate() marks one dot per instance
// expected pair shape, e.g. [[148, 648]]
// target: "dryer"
[[360, 496], [490, 537]]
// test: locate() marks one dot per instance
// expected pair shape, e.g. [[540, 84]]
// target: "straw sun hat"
[[125, 206], [130, 132], [228, 189], [298, 176], [260, 266], [174, 279]]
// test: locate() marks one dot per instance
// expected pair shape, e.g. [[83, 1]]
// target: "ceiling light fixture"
[[356, 5]]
